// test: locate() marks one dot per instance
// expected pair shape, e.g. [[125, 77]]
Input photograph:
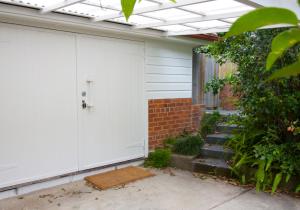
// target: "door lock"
[[84, 105]]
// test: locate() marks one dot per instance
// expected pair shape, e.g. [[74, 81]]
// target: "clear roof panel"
[[33, 3], [116, 3], [174, 28], [155, 14], [218, 7], [135, 19], [208, 24], [231, 20], [86, 10], [171, 14]]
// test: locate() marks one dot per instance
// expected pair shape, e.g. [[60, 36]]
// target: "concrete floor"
[[178, 190]]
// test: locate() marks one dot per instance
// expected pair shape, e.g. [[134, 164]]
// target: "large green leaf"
[[298, 188], [281, 43], [291, 70], [260, 174], [127, 7], [262, 17], [276, 182]]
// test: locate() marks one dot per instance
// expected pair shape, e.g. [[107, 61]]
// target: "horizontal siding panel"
[[152, 78], [168, 70], [169, 94], [169, 53], [150, 69], [168, 50], [159, 61], [169, 87]]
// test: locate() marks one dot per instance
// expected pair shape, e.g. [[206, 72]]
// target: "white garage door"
[[44, 76]]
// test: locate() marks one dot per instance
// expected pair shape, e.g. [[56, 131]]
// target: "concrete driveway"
[[178, 190]]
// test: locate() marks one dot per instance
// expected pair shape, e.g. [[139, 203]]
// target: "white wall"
[[168, 70], [168, 74]]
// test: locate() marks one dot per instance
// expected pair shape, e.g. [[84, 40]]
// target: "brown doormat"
[[118, 177]]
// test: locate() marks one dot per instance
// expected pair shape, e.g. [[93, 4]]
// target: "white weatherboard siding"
[[168, 70]]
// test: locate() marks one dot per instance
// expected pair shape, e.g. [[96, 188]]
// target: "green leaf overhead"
[[127, 7], [291, 70], [262, 17], [281, 43]]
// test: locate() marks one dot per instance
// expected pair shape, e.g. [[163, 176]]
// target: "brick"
[[227, 98], [170, 117]]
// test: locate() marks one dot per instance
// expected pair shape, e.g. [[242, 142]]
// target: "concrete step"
[[219, 138], [215, 151], [223, 112], [226, 128], [211, 166]]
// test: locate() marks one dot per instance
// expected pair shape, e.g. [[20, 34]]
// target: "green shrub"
[[269, 139], [215, 85], [169, 142], [209, 123], [188, 145], [160, 158]]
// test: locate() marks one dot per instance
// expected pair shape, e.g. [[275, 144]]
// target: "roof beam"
[[201, 31], [192, 20], [216, 30], [153, 9], [60, 5], [250, 3]]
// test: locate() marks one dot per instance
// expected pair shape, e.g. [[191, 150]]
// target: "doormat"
[[117, 177]]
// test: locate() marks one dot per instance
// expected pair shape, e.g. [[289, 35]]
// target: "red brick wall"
[[170, 117], [227, 99]]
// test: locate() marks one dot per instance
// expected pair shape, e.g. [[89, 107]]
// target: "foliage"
[[160, 158], [269, 124], [169, 142], [281, 43], [215, 85], [128, 7], [209, 123], [188, 145]]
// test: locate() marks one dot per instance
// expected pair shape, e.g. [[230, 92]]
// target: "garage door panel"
[[113, 129], [38, 128]]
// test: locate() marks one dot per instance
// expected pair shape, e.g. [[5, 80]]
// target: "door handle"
[[85, 105]]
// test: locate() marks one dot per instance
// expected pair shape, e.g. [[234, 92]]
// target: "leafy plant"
[[188, 145], [169, 142], [281, 43], [209, 123], [268, 142], [215, 85], [160, 158]]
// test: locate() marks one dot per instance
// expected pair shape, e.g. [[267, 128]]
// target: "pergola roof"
[[186, 17]]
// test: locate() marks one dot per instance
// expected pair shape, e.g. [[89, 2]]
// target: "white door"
[[38, 108], [110, 82]]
